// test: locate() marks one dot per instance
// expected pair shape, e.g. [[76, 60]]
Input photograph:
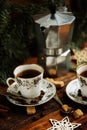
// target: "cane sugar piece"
[[77, 113], [57, 83], [31, 110], [65, 107]]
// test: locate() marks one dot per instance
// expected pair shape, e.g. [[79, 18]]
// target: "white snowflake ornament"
[[65, 124]]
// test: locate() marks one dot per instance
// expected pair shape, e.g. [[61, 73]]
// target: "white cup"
[[82, 77], [30, 85]]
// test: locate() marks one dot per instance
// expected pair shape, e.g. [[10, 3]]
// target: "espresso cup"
[[29, 79], [82, 78]]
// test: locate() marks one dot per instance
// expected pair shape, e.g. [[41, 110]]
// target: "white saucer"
[[47, 87], [72, 92]]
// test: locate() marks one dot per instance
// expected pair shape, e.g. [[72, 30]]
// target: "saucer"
[[48, 88], [72, 92]]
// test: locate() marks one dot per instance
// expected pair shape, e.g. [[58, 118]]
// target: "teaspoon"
[[69, 109]]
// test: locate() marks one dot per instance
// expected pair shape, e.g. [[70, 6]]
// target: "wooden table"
[[17, 119]]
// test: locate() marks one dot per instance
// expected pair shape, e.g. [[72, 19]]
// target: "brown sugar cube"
[[52, 72], [58, 84], [31, 110], [77, 113], [65, 107]]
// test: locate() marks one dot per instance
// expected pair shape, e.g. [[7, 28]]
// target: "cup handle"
[[10, 81]]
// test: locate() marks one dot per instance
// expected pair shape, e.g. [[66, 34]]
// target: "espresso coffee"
[[84, 73], [28, 73]]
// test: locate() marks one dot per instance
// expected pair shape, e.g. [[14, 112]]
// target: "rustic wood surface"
[[17, 119]]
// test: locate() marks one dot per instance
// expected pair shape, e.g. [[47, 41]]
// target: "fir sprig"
[[16, 33]]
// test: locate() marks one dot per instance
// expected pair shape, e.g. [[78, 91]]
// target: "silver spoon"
[[21, 99], [69, 111]]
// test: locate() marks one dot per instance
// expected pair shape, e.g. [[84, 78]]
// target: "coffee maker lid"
[[60, 19]]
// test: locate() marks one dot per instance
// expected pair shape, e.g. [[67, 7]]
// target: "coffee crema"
[[84, 73], [28, 73]]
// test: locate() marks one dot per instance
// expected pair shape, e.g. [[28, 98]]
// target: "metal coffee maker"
[[54, 42]]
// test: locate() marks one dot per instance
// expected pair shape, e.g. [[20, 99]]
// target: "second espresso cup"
[[82, 77], [29, 79]]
